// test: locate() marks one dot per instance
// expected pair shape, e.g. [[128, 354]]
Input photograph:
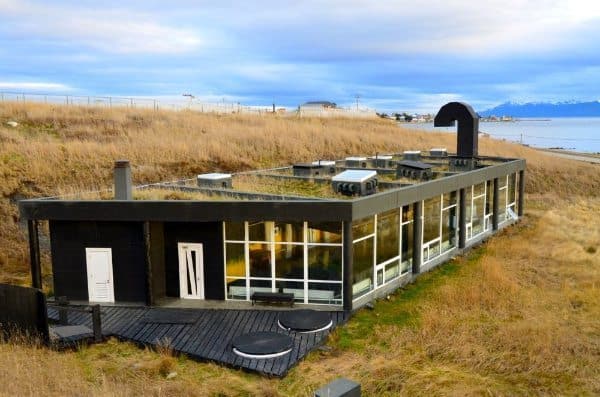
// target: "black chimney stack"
[[468, 126]]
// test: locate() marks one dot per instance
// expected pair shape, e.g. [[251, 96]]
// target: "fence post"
[[97, 323], [63, 316]]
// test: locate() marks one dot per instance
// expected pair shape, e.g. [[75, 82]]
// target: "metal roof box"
[[312, 169], [214, 180], [327, 163], [438, 152], [359, 162], [355, 182], [414, 170], [411, 155], [382, 160]]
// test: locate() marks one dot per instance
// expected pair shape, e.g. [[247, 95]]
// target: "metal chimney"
[[122, 176], [468, 126]]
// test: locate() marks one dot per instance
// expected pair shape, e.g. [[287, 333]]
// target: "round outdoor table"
[[305, 321], [262, 345]]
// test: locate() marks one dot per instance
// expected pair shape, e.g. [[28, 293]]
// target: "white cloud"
[[109, 30], [33, 86]]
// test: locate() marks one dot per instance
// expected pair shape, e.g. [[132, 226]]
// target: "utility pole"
[[357, 98]]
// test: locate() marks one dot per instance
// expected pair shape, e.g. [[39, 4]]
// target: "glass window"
[[502, 204], [478, 214], [289, 232], [449, 223], [260, 286], [489, 203], [388, 235], [362, 278], [363, 227], [479, 189], [235, 260], [325, 232], [450, 199], [260, 260], [324, 262], [291, 287], [325, 293], [407, 245], [236, 289], [407, 213], [235, 231], [289, 261], [512, 181], [260, 231], [392, 270], [431, 219]]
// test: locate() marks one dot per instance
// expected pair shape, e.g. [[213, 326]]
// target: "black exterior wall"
[[69, 239], [157, 261], [210, 235]]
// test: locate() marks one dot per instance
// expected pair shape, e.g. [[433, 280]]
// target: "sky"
[[394, 55]]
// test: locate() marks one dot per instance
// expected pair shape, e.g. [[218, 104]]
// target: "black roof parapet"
[[468, 126]]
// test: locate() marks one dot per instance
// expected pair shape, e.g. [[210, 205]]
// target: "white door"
[[191, 270], [100, 274]]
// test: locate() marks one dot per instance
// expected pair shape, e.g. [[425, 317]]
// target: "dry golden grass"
[[518, 316]]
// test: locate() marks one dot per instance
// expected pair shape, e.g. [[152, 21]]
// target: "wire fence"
[[185, 102], [133, 102]]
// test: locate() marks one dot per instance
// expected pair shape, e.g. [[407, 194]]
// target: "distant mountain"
[[561, 109]]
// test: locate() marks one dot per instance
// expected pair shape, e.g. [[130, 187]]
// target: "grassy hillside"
[[517, 316]]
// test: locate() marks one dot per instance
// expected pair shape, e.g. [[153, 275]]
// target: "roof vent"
[[357, 162], [355, 182], [414, 155], [438, 152], [382, 161], [414, 170], [215, 180]]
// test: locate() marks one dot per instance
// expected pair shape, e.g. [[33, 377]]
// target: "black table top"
[[262, 343], [304, 320]]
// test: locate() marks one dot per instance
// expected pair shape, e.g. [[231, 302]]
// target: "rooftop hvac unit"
[[382, 161], [414, 170], [356, 162], [355, 182], [438, 152], [414, 155], [215, 180]]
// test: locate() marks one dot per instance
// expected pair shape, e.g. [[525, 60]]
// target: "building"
[[276, 232]]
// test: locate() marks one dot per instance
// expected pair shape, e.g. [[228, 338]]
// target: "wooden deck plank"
[[210, 336]]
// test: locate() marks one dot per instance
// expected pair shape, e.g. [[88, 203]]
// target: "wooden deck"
[[204, 334]]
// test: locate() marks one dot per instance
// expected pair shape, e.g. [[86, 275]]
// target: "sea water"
[[577, 134]]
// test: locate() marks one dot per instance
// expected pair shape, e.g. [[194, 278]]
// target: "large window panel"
[[431, 219], [291, 287], [260, 231], [449, 222], [260, 260], [289, 232], [478, 214], [324, 262], [235, 231], [235, 260], [489, 203], [363, 227], [362, 279], [512, 184], [289, 261], [236, 289], [325, 232], [325, 293], [388, 235]]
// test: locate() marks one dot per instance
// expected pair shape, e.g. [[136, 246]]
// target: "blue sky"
[[396, 55]]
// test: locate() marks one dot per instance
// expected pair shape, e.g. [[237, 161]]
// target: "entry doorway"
[[100, 275], [191, 270]]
